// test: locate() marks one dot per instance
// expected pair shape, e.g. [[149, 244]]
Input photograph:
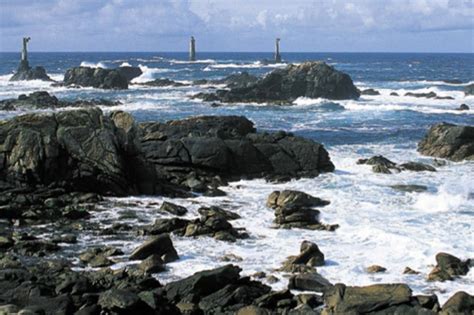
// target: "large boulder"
[[310, 256], [129, 72], [449, 141], [96, 77], [79, 150], [310, 79], [160, 245], [26, 73]]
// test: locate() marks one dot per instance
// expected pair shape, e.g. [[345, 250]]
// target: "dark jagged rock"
[[380, 164], [214, 223], [449, 141], [370, 92], [383, 165], [162, 83], [453, 81], [310, 256], [448, 267], [217, 211], [341, 299], [77, 150], [310, 79], [469, 89], [129, 72], [175, 225], [463, 107], [96, 77], [204, 152], [26, 73], [160, 245], [293, 209], [98, 257], [394, 94], [202, 283], [43, 100], [460, 303], [173, 208]]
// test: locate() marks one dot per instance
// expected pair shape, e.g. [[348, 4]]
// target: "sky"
[[239, 25]]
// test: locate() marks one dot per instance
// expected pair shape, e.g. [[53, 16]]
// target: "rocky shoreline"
[[56, 167], [59, 170]]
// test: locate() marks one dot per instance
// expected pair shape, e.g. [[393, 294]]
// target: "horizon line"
[[258, 52]]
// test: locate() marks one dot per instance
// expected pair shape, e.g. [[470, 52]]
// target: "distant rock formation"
[[97, 77], [310, 79], [25, 72]]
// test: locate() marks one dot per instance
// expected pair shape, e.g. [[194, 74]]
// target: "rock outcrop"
[[469, 89], [96, 77], [26, 73], [43, 100], [294, 209], [449, 141], [381, 164], [448, 267], [129, 72], [87, 151], [310, 79], [310, 256]]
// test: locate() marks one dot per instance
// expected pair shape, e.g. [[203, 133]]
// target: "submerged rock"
[[383, 165], [376, 269], [417, 167], [43, 100], [410, 188], [96, 77], [426, 95], [162, 83], [370, 92], [463, 107], [310, 79], [449, 141]]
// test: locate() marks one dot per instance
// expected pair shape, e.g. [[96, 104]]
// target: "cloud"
[[167, 24]]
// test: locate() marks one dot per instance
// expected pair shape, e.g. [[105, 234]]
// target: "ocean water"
[[378, 225]]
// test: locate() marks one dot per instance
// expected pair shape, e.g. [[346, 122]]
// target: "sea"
[[378, 224]]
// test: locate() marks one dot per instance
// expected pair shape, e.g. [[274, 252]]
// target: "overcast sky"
[[239, 25]]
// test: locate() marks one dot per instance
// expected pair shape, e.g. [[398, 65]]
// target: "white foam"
[[93, 65], [254, 65], [125, 64], [203, 61]]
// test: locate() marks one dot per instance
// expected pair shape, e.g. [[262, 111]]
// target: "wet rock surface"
[[448, 267], [26, 73], [294, 209], [383, 165], [449, 141], [96, 77]]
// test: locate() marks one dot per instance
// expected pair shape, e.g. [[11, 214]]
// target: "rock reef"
[[309, 79]]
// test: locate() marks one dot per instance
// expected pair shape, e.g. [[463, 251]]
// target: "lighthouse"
[[277, 51], [192, 49]]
